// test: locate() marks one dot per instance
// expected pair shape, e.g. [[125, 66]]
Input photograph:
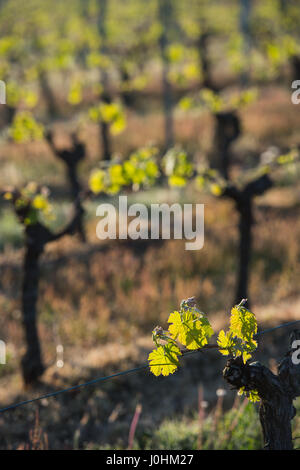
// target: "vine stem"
[[206, 346]]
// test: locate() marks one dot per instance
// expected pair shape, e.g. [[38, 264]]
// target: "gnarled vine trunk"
[[32, 365], [227, 130], [276, 392], [244, 203], [36, 238], [105, 132], [205, 64], [71, 158]]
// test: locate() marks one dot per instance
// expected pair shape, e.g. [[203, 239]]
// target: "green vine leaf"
[[252, 395], [243, 324], [190, 327], [225, 342], [239, 339], [164, 359]]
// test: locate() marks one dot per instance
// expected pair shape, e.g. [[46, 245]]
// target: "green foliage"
[[75, 92], [110, 180], [287, 158], [31, 203], [116, 178], [96, 59], [177, 167], [239, 339], [190, 328], [110, 113], [140, 169], [97, 181], [164, 359], [216, 103], [271, 161], [17, 95], [25, 128], [252, 395], [62, 37], [235, 429], [184, 65], [210, 180], [134, 83]]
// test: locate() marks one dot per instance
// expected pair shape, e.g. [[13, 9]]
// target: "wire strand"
[[75, 387], [277, 327]]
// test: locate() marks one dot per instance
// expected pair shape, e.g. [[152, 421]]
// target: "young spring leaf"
[[164, 359], [225, 342], [190, 327], [243, 324], [25, 128], [97, 181], [252, 395], [177, 167], [239, 341]]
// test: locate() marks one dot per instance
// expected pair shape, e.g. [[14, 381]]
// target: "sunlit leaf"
[[164, 359]]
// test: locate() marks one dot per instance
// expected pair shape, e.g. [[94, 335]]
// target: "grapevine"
[[190, 329]]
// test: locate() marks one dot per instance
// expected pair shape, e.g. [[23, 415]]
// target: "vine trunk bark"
[[276, 392], [32, 365]]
